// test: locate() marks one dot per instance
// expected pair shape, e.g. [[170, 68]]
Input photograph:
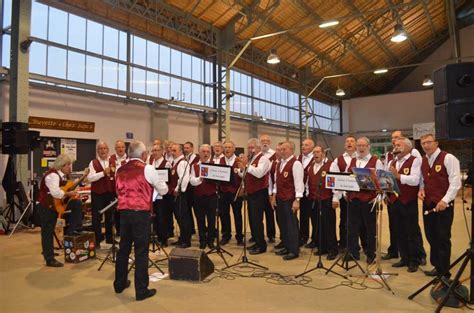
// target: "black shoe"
[[75, 233], [423, 261], [400, 264], [163, 243], [211, 245], [240, 242], [331, 256], [258, 251], [149, 293], [224, 242], [119, 290], [310, 245], [202, 245], [54, 263], [175, 243], [290, 256], [280, 245], [282, 252], [389, 256], [348, 258], [252, 247], [412, 268], [431, 273], [251, 240], [271, 240], [184, 245], [371, 259], [323, 252]]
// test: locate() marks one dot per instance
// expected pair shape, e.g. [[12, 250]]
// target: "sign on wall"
[[69, 147], [423, 129], [59, 124]]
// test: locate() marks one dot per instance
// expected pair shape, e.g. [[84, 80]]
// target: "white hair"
[[101, 143], [255, 141], [136, 149], [62, 160], [365, 139], [407, 142], [205, 145]]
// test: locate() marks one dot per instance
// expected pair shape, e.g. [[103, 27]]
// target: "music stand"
[[382, 182], [163, 174], [112, 254], [217, 173]]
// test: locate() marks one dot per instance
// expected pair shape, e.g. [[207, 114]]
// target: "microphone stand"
[[319, 264], [244, 260]]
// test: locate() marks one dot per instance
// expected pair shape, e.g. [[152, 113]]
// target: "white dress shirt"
[[335, 168], [269, 153], [454, 174], [362, 162], [190, 157], [229, 161], [305, 159], [217, 158], [196, 179], [95, 176], [169, 158], [264, 165], [315, 168], [298, 176], [52, 181], [415, 172], [413, 152], [183, 171], [151, 176], [119, 160], [158, 162]]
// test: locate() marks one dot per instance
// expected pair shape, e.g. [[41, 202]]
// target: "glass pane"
[[56, 62], [38, 58], [209, 97], [176, 89], [209, 74], [138, 50], [152, 55], [7, 13], [164, 87], [6, 51], [186, 91], [57, 28], [175, 62], [122, 79], [138, 80], [110, 74], [93, 71], [123, 46], [165, 59], [39, 20], [111, 42], [197, 69], [197, 94], [186, 61], [94, 37], [77, 32], [76, 66], [152, 84]]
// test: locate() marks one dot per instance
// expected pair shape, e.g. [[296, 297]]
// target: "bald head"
[[307, 146]]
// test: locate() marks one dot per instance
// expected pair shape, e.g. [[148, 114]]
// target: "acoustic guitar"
[[60, 205]]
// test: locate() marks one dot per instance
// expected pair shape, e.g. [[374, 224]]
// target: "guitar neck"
[[77, 183]]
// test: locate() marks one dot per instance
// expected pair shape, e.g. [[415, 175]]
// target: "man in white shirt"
[[267, 151], [217, 149], [287, 193], [441, 180], [306, 206]]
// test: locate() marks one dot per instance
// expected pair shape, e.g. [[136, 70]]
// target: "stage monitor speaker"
[[454, 82], [15, 138], [454, 120], [189, 264], [34, 139]]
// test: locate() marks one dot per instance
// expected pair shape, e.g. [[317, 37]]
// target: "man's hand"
[[243, 161], [335, 204], [441, 206], [296, 206], [273, 201], [107, 171], [421, 194], [70, 194], [394, 172]]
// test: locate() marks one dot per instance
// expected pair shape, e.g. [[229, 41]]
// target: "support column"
[[19, 71]]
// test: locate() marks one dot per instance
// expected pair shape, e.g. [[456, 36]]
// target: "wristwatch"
[[298, 199]]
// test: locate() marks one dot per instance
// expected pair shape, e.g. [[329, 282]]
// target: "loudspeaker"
[[454, 120], [34, 139], [15, 138], [189, 264], [453, 82]]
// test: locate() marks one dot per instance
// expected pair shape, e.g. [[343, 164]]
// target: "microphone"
[[327, 149]]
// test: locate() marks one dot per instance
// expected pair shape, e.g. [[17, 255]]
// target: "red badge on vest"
[[236, 170], [438, 168], [323, 174], [285, 174], [173, 172], [406, 171]]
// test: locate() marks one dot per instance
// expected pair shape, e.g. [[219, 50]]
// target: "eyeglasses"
[[427, 142], [362, 145]]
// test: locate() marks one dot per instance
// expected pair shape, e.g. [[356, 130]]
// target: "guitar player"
[[50, 187]]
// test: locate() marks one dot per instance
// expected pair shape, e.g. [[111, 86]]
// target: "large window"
[[81, 50]]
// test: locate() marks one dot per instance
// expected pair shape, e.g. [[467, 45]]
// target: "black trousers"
[[205, 211], [226, 201], [48, 218], [438, 232], [360, 215], [168, 199], [393, 228], [256, 202], [184, 217], [134, 229], [306, 207], [160, 222], [289, 226], [116, 217], [326, 234], [190, 203], [100, 201], [405, 217], [269, 218]]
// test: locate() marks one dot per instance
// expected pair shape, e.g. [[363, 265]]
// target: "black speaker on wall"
[[15, 138], [189, 264], [454, 101]]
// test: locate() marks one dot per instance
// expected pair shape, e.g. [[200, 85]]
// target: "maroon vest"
[[44, 198], [285, 182], [206, 188], [389, 157], [275, 165], [173, 181], [161, 165], [113, 163], [195, 160], [364, 196], [151, 159], [254, 184], [407, 193], [273, 157], [436, 178], [341, 163], [235, 179], [316, 182], [103, 185], [300, 158], [134, 192]]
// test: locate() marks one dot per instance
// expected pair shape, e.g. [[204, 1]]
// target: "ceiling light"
[[273, 57], [328, 24], [427, 82], [381, 71], [399, 34], [340, 92]]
